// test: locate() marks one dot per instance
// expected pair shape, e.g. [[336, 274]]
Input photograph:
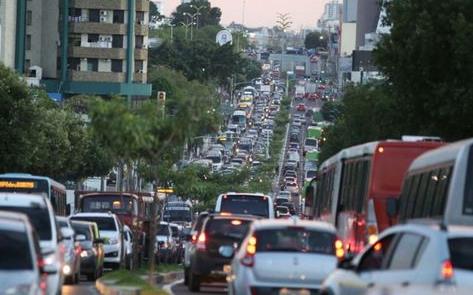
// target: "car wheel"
[[186, 276], [194, 282]]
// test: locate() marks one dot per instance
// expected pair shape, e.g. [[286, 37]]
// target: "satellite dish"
[[224, 37]]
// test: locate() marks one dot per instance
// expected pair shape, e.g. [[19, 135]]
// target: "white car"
[[128, 246], [282, 255], [71, 268], [410, 256], [41, 215], [166, 245], [110, 230]]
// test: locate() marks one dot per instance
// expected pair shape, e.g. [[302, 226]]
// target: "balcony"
[[141, 54], [85, 76], [141, 29], [97, 28], [105, 5], [142, 5], [97, 52], [140, 77]]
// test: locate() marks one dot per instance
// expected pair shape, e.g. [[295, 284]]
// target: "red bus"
[[357, 189]]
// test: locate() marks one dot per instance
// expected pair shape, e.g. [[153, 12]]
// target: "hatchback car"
[[408, 256], [284, 257], [92, 252], [191, 240], [71, 268], [21, 265], [166, 245], [111, 231], [221, 234]]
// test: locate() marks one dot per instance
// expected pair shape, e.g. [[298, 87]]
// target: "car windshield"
[[177, 213], [280, 201], [14, 251], [214, 159], [245, 204], [283, 210], [175, 231], [295, 239], [310, 142], [163, 230], [311, 174], [461, 255], [39, 218], [104, 223], [233, 228]]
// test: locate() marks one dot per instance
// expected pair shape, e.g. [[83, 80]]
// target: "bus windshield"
[[107, 203], [177, 213]]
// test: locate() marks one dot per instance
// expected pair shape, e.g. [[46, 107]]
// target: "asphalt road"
[[84, 288], [212, 289]]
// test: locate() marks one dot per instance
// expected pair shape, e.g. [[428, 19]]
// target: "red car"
[[313, 96], [300, 107]]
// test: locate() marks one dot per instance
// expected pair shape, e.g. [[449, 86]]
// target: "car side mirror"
[[346, 263], [392, 206], [99, 241], [80, 238]]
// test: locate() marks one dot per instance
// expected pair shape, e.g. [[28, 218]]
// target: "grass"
[[127, 278], [162, 268]]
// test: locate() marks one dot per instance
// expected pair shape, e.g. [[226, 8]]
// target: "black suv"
[[219, 238]]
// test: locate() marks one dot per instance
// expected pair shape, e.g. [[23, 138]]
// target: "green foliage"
[[427, 59], [315, 39], [331, 111], [208, 16], [154, 15], [41, 138], [368, 113]]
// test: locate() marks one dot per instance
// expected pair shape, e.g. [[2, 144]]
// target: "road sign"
[[161, 96], [224, 37]]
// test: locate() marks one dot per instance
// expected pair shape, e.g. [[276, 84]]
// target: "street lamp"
[[197, 10], [192, 16], [186, 25]]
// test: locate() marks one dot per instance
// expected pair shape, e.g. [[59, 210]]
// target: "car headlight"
[[113, 241], [66, 269]]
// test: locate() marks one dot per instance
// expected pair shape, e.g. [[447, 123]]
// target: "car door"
[[371, 265]]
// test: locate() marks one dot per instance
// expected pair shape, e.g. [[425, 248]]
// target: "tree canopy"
[[205, 14], [315, 39]]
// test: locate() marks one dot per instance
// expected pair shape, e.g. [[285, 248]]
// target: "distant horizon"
[[258, 13]]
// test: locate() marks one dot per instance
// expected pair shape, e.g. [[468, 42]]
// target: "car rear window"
[[461, 254], [104, 223], [232, 228], [295, 239], [14, 251], [80, 229], [246, 204], [39, 218]]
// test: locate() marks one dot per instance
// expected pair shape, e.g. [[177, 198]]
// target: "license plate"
[[285, 291], [227, 268]]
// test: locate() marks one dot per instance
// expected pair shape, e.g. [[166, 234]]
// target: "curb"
[[169, 277], [107, 288]]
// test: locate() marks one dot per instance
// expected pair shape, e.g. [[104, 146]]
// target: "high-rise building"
[[8, 10], [86, 46]]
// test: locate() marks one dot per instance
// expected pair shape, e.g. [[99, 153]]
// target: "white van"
[[239, 118], [216, 157], [41, 214], [245, 203]]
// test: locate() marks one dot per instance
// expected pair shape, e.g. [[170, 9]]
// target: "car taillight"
[[194, 239], [43, 285], [447, 270], [249, 258], [200, 245], [78, 249], [339, 250]]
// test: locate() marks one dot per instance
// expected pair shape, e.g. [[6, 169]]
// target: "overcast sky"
[[304, 13]]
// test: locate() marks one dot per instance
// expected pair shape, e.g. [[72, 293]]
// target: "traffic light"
[[161, 97]]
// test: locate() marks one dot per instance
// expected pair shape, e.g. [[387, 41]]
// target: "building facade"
[[8, 9], [86, 46]]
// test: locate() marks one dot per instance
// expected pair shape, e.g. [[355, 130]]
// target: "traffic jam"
[[385, 217]]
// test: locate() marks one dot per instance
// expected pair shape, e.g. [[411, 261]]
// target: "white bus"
[[245, 203], [239, 118], [439, 184]]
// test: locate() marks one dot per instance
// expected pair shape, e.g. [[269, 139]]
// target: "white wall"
[[348, 39]]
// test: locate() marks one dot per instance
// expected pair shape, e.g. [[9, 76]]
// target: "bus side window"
[[432, 184], [419, 206], [404, 197], [412, 197], [440, 198]]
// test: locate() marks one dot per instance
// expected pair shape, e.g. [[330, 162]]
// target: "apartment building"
[[96, 47], [8, 10]]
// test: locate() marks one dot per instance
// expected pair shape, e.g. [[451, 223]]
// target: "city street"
[[210, 289], [83, 288]]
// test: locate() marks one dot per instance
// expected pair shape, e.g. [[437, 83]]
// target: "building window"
[[94, 15], [139, 66], [139, 40], [28, 42], [140, 17], [74, 64], [27, 66], [117, 65], [93, 38], [29, 17], [92, 65], [117, 41], [118, 16]]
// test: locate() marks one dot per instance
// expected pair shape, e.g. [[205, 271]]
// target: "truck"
[[300, 91], [300, 71]]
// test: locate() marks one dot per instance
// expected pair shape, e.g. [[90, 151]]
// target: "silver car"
[[21, 268], [280, 256], [71, 268]]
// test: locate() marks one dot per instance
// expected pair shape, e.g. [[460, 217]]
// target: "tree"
[[205, 15], [314, 40], [154, 14], [427, 59], [331, 111]]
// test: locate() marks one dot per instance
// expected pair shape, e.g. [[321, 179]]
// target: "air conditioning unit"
[[103, 19], [141, 71], [103, 12]]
